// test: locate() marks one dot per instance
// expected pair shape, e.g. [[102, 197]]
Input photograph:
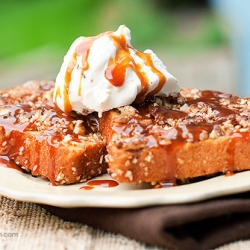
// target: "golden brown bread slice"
[[195, 133], [41, 139], [192, 134]]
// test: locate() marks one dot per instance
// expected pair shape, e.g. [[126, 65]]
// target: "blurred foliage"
[[154, 24], [28, 24]]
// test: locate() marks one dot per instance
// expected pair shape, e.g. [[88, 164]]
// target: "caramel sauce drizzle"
[[86, 188], [170, 140], [118, 66], [18, 120], [116, 70], [99, 183], [162, 79], [82, 50], [234, 137]]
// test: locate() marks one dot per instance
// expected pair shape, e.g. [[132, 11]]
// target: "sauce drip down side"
[[22, 125], [170, 126]]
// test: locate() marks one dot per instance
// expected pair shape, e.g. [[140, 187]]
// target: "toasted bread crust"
[[196, 133], [40, 139], [180, 137]]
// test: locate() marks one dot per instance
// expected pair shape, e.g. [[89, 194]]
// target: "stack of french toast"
[[164, 139]]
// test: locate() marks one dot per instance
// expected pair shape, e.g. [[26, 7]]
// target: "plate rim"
[[35, 190]]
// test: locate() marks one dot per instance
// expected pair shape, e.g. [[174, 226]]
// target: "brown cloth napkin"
[[203, 225]]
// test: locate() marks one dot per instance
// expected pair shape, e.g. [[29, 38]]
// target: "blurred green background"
[[35, 35], [28, 24]]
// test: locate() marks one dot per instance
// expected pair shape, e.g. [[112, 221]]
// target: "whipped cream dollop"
[[104, 72]]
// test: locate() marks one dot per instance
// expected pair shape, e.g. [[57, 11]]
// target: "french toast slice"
[[39, 138], [192, 134]]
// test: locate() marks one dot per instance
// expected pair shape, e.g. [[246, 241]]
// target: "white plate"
[[24, 187]]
